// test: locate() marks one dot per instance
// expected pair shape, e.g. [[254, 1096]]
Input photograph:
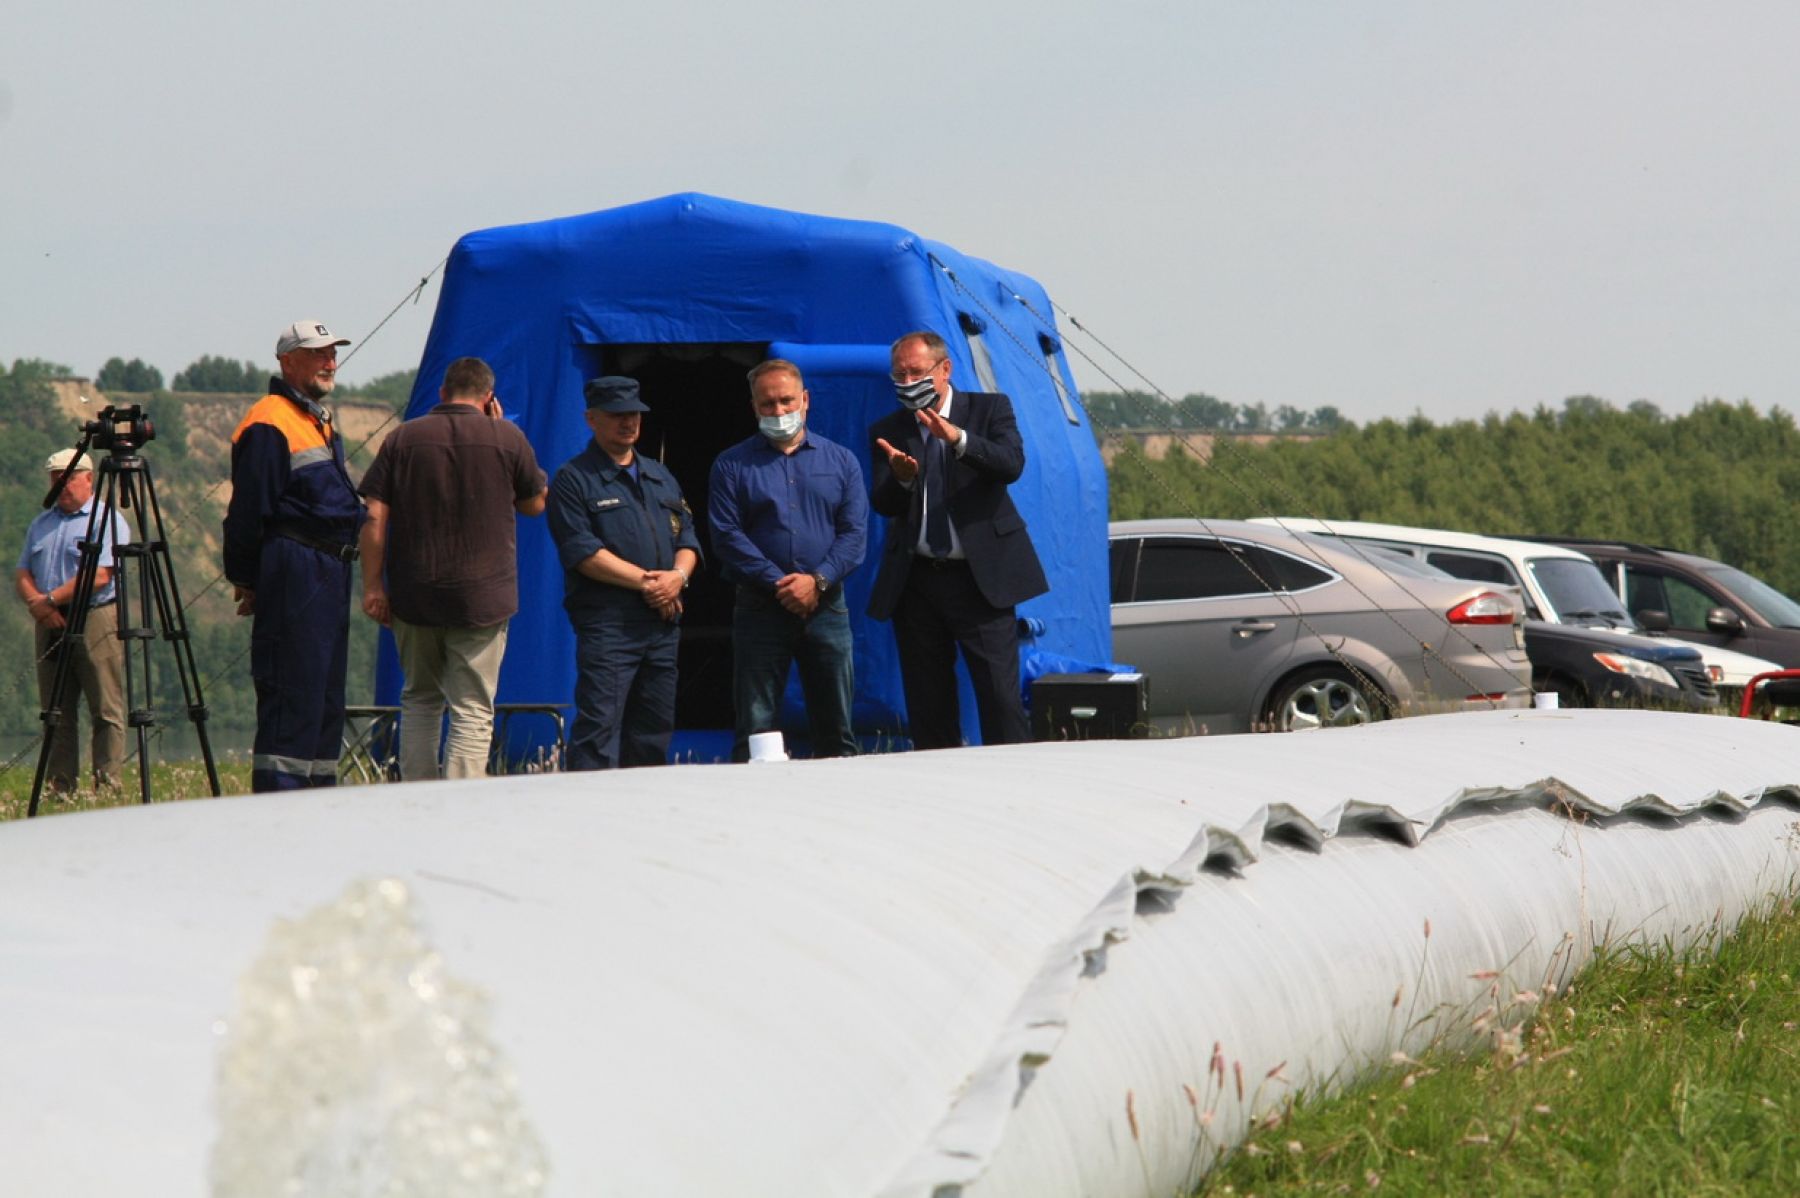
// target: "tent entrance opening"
[[699, 406]]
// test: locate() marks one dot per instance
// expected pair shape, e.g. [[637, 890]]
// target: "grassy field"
[[1653, 1073], [168, 781]]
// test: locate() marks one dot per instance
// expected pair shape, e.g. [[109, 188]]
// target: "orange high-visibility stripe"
[[308, 445]]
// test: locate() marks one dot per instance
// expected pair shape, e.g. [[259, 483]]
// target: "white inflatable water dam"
[[1034, 970]]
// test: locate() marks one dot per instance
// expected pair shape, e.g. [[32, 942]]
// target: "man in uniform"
[[290, 537], [958, 557], [789, 519], [440, 566], [46, 582], [627, 544]]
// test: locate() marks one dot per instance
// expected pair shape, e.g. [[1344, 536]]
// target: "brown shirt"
[[449, 479]]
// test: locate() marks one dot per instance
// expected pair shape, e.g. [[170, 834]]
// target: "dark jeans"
[[624, 690], [766, 640]]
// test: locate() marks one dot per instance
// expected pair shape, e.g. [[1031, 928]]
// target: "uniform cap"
[[613, 393]]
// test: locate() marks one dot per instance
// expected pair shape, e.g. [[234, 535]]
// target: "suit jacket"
[[1001, 558]]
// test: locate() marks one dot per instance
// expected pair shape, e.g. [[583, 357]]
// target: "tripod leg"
[[56, 704], [99, 659], [161, 589]]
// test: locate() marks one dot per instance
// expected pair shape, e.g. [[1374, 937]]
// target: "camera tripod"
[[141, 569]]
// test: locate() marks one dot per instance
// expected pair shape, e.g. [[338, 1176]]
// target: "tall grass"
[[1654, 1072], [168, 781]]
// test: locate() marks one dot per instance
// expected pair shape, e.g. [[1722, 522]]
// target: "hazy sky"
[[1388, 207]]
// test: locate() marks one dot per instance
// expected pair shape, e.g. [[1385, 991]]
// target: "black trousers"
[[940, 611]]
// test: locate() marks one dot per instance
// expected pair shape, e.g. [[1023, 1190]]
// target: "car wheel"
[[1322, 697]]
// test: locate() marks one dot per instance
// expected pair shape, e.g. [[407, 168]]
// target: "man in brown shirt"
[[440, 566]]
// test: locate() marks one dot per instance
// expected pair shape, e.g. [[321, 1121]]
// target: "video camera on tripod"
[[114, 430], [119, 429], [123, 482]]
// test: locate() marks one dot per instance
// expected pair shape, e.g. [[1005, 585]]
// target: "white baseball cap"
[[306, 334], [59, 461]]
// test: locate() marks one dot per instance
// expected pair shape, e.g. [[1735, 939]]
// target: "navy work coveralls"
[[290, 536], [624, 652]]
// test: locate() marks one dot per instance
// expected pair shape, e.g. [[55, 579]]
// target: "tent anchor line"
[[959, 1149]]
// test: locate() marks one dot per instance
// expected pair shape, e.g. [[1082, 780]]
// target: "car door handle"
[[1251, 627]]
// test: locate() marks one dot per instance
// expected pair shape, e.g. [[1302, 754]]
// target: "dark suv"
[[1697, 598], [1589, 668]]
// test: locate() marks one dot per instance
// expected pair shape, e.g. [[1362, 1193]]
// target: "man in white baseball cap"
[[45, 580], [290, 537]]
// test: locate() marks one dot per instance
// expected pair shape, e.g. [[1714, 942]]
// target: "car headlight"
[[1633, 667]]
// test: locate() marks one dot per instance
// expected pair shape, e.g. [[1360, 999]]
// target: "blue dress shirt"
[[775, 513], [52, 552]]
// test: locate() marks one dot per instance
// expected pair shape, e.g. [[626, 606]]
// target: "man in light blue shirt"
[[45, 581]]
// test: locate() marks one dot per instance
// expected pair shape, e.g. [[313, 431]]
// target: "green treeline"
[[1140, 411], [1721, 480]]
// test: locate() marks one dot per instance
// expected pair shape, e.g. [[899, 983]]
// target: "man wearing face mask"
[[958, 557], [789, 522], [290, 536]]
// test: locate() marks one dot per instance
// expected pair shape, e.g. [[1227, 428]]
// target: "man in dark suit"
[[958, 557]]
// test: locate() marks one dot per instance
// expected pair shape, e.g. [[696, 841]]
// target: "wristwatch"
[[819, 581]]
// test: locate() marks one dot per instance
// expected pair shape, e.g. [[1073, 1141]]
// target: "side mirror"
[[1725, 622], [1653, 620]]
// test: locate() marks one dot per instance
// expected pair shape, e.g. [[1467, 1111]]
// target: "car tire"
[[1323, 697]]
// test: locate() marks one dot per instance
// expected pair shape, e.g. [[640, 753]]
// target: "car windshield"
[[1578, 593], [1768, 602]]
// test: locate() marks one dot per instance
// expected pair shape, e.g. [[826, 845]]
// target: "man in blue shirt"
[[45, 580], [790, 518], [626, 540]]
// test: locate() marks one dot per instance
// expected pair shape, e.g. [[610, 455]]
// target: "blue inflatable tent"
[[685, 294]]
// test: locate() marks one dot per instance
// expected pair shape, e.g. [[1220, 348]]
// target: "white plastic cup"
[[1545, 701], [767, 746]]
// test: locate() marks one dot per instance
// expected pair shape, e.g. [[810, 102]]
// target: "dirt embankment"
[[211, 420]]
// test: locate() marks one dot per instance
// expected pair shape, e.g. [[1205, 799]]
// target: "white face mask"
[[784, 427]]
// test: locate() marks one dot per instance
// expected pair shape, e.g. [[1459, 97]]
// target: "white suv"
[[1560, 585]]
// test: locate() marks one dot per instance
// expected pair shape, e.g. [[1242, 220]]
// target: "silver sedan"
[[1242, 627]]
